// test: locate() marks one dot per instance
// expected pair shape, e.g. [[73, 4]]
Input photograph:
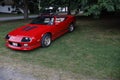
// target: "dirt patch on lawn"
[[16, 70]]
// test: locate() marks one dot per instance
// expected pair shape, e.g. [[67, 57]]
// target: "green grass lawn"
[[92, 50]]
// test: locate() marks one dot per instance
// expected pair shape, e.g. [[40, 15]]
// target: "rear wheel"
[[71, 28], [46, 40]]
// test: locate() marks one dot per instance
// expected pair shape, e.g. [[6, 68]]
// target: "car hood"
[[29, 30]]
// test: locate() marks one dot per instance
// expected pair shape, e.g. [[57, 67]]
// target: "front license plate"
[[14, 44]]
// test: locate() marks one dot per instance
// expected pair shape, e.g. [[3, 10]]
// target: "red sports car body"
[[40, 32]]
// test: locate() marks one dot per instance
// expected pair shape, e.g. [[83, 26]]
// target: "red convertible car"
[[40, 32]]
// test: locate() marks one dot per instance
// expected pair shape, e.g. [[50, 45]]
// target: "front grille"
[[15, 44]]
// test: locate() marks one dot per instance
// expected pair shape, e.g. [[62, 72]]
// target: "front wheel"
[[71, 28], [46, 40]]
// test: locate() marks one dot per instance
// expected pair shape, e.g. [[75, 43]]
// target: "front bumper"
[[22, 46]]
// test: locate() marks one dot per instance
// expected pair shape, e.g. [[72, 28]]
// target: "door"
[[60, 26]]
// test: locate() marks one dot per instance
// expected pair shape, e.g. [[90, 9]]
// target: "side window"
[[49, 21], [8, 8], [58, 20], [62, 19]]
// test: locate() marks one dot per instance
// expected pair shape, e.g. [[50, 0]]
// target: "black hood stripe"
[[27, 28]]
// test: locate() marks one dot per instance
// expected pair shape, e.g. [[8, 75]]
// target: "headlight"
[[26, 39], [7, 37]]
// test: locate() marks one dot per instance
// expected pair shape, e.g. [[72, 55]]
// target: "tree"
[[90, 7], [33, 6], [95, 7], [25, 8], [23, 4], [1, 0]]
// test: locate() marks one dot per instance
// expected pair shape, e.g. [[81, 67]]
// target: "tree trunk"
[[69, 4], [25, 2]]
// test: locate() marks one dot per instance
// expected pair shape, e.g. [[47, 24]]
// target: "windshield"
[[43, 20]]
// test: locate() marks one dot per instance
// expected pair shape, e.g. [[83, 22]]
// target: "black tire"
[[71, 28], [46, 40]]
